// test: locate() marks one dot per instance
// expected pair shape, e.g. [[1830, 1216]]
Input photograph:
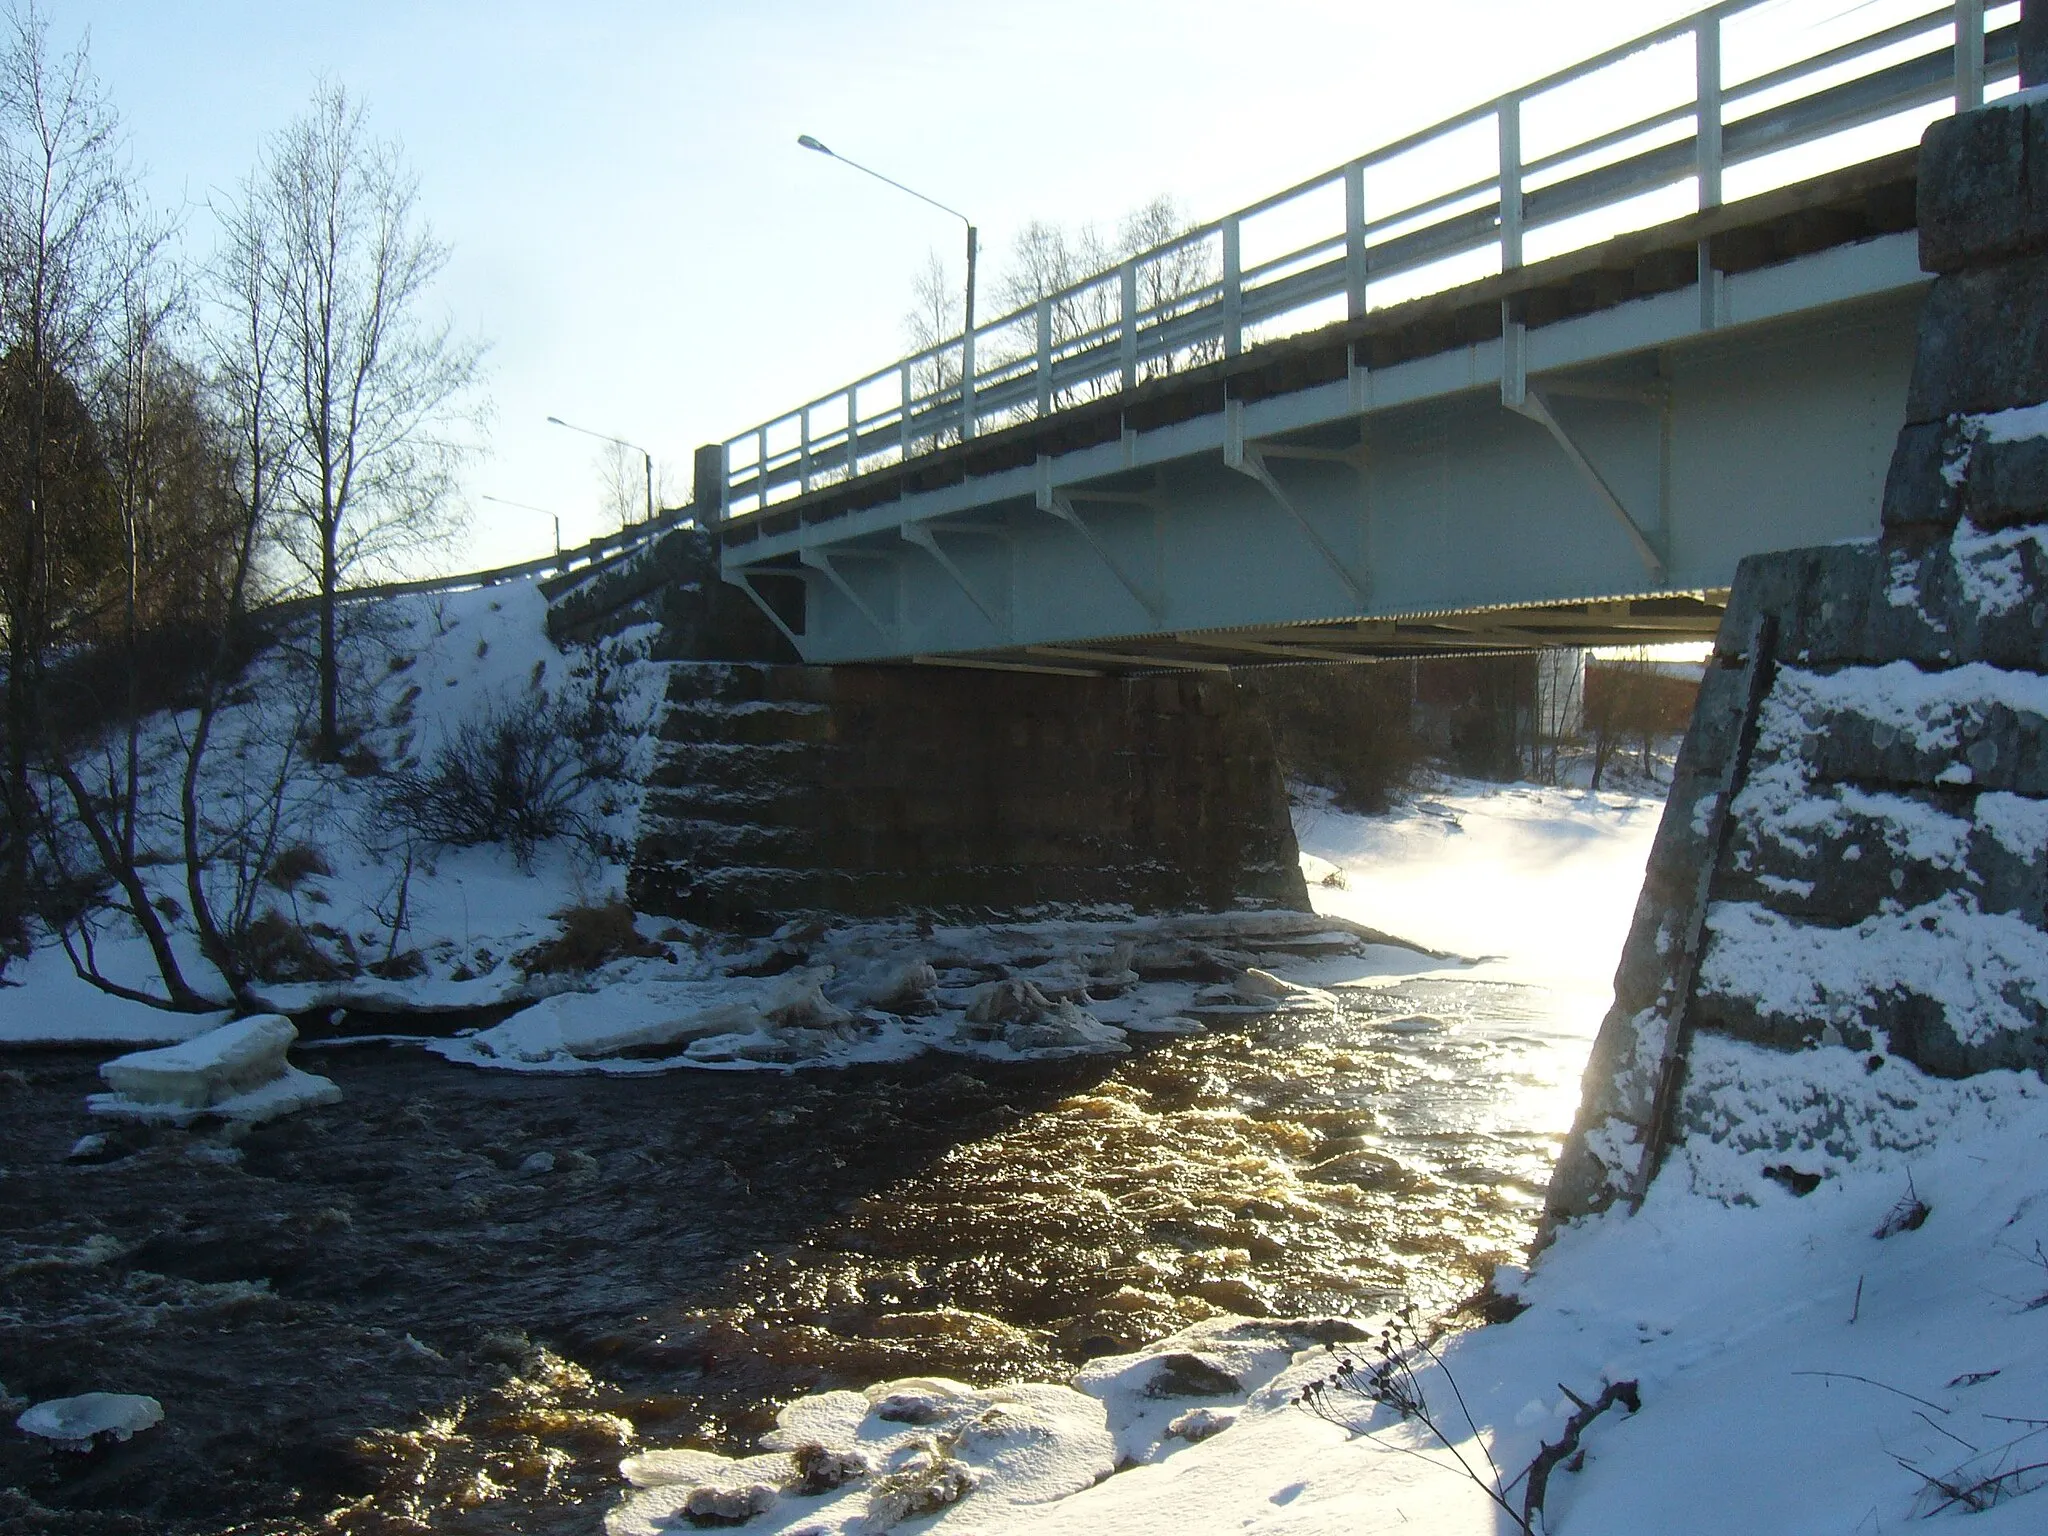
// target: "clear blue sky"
[[650, 253]]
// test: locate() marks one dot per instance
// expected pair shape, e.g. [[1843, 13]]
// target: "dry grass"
[[296, 864], [590, 936]]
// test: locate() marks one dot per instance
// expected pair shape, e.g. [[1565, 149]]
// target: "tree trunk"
[[330, 664], [147, 919]]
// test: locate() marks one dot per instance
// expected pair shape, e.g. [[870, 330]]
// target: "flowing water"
[[452, 1302], [1293, 1164]]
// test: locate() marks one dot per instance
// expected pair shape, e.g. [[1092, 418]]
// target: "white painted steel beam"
[[1779, 426], [1533, 406]]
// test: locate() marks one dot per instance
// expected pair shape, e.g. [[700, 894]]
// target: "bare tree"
[[101, 768], [372, 392], [1077, 270], [622, 484], [1173, 282], [61, 186], [933, 328], [1050, 262]]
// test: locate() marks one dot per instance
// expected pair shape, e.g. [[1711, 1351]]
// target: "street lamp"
[[506, 501], [973, 244], [647, 457]]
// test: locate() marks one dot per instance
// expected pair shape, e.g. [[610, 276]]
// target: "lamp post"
[[506, 501], [646, 457], [973, 246]]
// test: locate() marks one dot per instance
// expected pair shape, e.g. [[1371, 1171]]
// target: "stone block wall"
[[1855, 850], [872, 790], [673, 581]]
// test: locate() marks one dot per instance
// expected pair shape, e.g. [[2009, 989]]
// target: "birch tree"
[[373, 392]]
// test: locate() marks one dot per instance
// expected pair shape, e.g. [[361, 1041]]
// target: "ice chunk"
[[217, 1065], [237, 1071], [709, 1504], [1412, 1024], [1260, 990], [1001, 1002], [72, 1423]]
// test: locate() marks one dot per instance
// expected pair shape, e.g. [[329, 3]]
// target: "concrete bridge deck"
[[1571, 450]]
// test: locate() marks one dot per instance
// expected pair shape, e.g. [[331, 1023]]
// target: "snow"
[[73, 1423], [1013, 1447], [1923, 706], [1988, 972], [1539, 880], [420, 666], [1798, 1374], [2018, 823], [47, 1004], [2015, 425], [865, 992], [1794, 1368]]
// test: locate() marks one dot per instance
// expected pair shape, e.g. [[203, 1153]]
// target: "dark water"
[[471, 1344]]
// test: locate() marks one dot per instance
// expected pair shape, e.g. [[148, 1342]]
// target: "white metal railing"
[[1198, 298]]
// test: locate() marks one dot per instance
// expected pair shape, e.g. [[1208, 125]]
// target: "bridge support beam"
[[1061, 505], [1532, 405], [744, 580], [818, 560], [922, 536], [1248, 459]]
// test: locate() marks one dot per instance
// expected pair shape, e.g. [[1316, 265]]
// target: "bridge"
[[1531, 376]]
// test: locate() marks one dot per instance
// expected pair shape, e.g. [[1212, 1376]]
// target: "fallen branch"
[[1623, 1392], [1394, 1382], [1847, 1376]]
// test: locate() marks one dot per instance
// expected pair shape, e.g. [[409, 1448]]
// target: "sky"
[[649, 254]]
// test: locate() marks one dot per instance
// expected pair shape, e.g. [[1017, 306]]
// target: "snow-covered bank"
[[1539, 880], [360, 911], [1798, 1372]]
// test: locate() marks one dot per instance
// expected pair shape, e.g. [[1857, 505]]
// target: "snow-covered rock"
[[862, 1463]]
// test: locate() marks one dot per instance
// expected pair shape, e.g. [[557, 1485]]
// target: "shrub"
[[590, 936], [295, 865], [274, 948], [1344, 726], [521, 772], [508, 776]]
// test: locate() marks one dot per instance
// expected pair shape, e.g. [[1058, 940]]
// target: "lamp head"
[[557, 421], [810, 143]]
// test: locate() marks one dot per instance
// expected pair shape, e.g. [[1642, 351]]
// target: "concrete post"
[[2033, 43], [707, 474]]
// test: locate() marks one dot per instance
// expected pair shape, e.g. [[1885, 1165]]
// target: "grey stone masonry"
[[1855, 851], [784, 790]]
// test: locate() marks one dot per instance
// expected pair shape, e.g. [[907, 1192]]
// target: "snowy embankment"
[[362, 911]]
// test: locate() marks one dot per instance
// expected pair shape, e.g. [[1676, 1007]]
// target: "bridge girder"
[[1407, 510]]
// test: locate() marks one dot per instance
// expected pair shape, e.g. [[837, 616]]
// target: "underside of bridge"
[[1577, 452]]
